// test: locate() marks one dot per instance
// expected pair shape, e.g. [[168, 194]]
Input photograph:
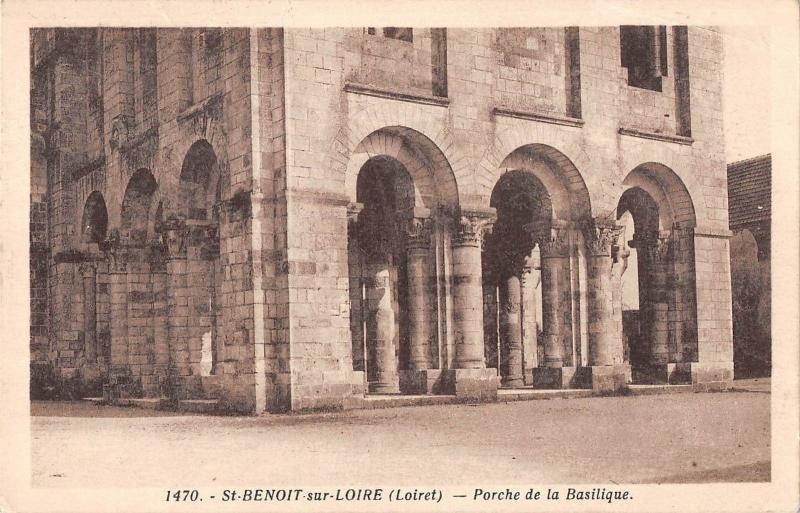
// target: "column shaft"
[[511, 332], [554, 249], [468, 297], [605, 339], [418, 244], [382, 372], [89, 272]]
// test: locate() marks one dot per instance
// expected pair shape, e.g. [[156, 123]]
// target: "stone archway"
[[534, 325], [136, 203], [403, 204], [192, 233], [94, 222], [662, 334]]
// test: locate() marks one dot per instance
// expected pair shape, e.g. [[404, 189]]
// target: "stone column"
[[357, 304], [555, 371], [470, 378], [511, 331], [382, 367], [158, 269], [529, 282], [418, 247], [119, 372], [468, 294], [88, 272], [608, 372], [174, 239], [618, 267], [118, 291], [382, 374], [419, 378]]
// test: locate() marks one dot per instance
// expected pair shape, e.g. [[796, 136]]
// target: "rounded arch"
[[564, 184], [199, 181], [434, 183], [428, 122], [640, 204], [94, 222], [136, 203], [664, 186], [568, 145]]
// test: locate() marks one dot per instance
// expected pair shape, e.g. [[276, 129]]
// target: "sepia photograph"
[[467, 267]]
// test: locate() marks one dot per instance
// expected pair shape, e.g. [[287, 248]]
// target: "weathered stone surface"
[[238, 192]]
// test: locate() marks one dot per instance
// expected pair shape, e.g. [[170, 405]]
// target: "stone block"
[[469, 384], [419, 382], [558, 378], [608, 379], [711, 376]]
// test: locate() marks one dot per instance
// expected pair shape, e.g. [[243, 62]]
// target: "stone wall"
[[232, 278]]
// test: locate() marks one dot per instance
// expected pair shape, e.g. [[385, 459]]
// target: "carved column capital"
[[114, 252], [658, 247], [120, 131], [174, 233], [353, 210], [472, 229], [601, 236], [206, 237], [553, 241], [418, 232]]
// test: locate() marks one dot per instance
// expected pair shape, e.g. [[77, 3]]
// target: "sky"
[[746, 92]]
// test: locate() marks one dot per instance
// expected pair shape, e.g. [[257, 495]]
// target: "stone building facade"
[[750, 215], [288, 219]]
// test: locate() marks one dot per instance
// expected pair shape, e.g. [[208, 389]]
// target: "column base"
[[557, 378], [663, 374], [606, 379], [475, 384], [390, 387], [419, 382], [512, 382], [711, 376]]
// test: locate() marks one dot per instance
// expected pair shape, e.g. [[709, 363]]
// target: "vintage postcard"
[[400, 256]]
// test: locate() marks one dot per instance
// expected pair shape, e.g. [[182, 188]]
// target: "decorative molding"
[[204, 107], [553, 242], [120, 131], [677, 139], [600, 237], [719, 233], [174, 233], [542, 117], [394, 94], [150, 133], [114, 252], [82, 170], [418, 233], [472, 228], [318, 197]]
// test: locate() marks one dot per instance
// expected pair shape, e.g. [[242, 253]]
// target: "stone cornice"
[[207, 105], [542, 117], [394, 94], [719, 233], [677, 139]]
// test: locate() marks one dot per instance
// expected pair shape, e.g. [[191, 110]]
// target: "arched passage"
[[136, 203], [95, 219], [404, 201], [661, 335], [198, 260], [529, 267]]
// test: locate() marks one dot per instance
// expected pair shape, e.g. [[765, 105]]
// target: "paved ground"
[[659, 438]]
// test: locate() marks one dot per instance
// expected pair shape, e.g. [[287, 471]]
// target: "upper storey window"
[[644, 54], [401, 33]]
